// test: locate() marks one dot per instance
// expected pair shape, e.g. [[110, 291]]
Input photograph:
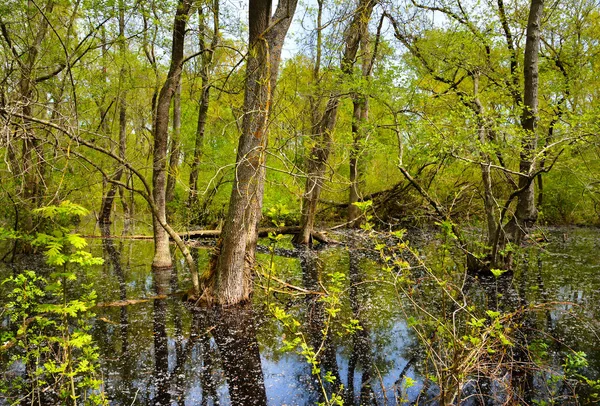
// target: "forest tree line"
[[186, 115]]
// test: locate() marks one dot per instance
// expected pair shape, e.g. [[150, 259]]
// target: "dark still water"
[[343, 323]]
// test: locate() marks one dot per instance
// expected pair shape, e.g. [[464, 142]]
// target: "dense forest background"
[[426, 110], [278, 129]]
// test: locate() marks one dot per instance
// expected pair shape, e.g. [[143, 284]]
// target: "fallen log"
[[200, 234], [127, 302]]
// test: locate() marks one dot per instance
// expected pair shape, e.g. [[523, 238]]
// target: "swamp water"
[[161, 351]]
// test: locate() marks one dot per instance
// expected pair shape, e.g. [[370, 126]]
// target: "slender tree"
[[108, 199], [175, 147], [207, 64], [324, 128], [360, 116], [526, 211], [162, 255]]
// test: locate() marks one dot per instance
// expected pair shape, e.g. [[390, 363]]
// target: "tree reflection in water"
[[362, 352], [315, 315], [164, 353], [162, 278], [234, 332]]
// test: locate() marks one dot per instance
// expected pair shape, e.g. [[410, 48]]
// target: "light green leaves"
[[498, 272]]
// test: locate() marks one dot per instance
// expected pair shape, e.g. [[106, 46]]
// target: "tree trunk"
[[230, 276], [162, 255], [207, 65], [108, 199], [30, 146], [486, 176], [526, 212], [359, 114], [322, 132], [360, 117], [199, 145], [175, 147]]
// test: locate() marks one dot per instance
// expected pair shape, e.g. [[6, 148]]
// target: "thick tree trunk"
[[322, 132], [162, 255], [230, 277]]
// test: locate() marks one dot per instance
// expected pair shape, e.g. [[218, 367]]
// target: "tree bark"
[[360, 117], [322, 132], [230, 275], [175, 148], [526, 211], [486, 176], [162, 255]]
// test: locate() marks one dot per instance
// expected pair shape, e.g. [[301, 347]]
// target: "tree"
[[526, 211], [207, 64], [360, 116], [487, 73], [162, 254], [323, 128], [108, 199], [229, 278]]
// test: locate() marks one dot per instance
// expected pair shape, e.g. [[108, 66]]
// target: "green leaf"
[[498, 272]]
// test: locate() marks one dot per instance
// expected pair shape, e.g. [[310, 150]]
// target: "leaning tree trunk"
[[230, 274], [162, 254], [322, 132], [526, 213]]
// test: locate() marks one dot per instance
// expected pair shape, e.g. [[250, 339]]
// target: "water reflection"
[[362, 351], [112, 263], [161, 352], [319, 334], [235, 335], [162, 280]]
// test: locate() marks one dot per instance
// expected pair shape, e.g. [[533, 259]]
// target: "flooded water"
[[340, 307]]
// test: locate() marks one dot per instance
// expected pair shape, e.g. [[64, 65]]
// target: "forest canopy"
[[383, 181], [482, 115]]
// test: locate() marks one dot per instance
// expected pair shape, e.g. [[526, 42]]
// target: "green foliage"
[[61, 246], [280, 215], [49, 333], [50, 336], [365, 207], [498, 272], [459, 335], [447, 229]]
